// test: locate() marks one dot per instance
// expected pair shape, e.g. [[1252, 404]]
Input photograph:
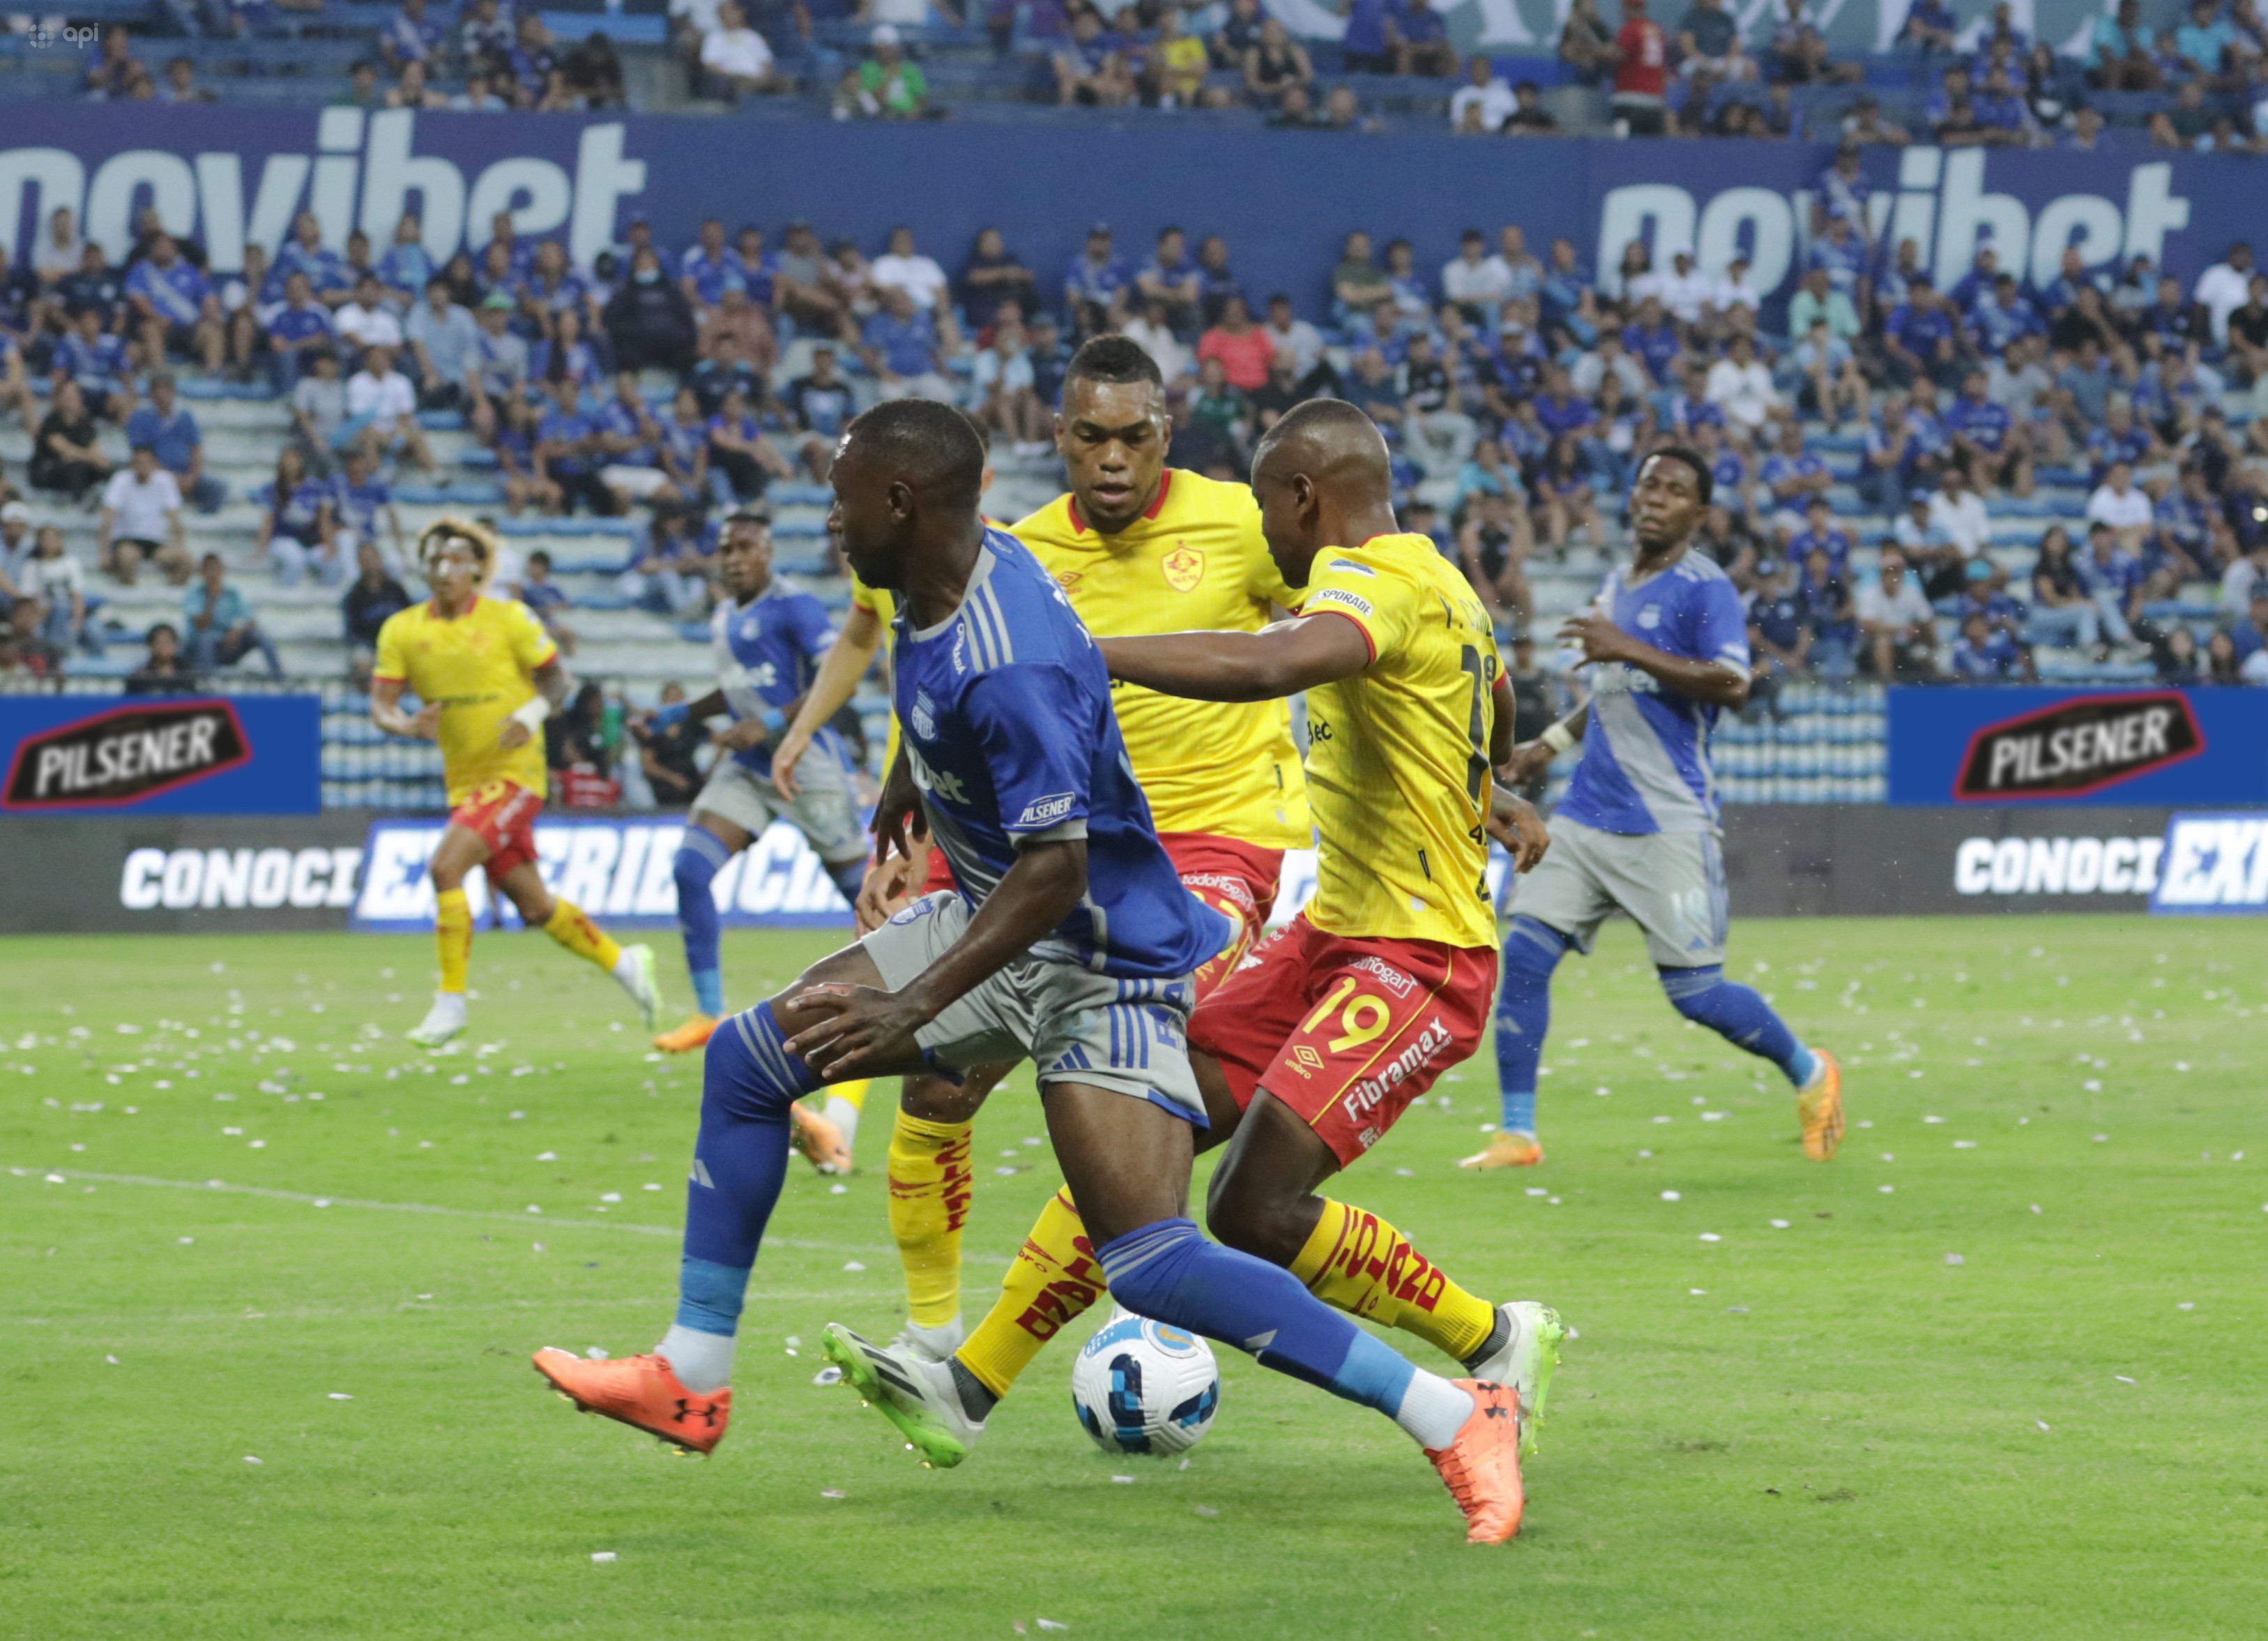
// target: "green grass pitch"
[[1998, 1371]]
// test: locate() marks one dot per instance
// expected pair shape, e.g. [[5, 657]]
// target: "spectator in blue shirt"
[[410, 36], [2001, 314], [166, 427], [2000, 113], [1830, 615], [1569, 300], [374, 598], [1795, 475], [2124, 51], [295, 526], [1919, 338], [2202, 46], [328, 280], [1981, 656], [1779, 638], [97, 360], [1365, 47], [1930, 26], [900, 346], [1820, 536], [299, 325], [1651, 338], [1171, 278], [360, 501], [174, 307], [1990, 445], [1419, 37], [1095, 286], [221, 629], [566, 451]]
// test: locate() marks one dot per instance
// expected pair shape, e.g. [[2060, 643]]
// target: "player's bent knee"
[[1691, 991], [940, 1099], [1532, 950], [1246, 1215]]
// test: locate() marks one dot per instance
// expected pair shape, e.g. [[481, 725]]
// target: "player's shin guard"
[[930, 1181], [1358, 1263], [1056, 1275], [1168, 1271], [1739, 1015], [701, 855], [749, 1081], [452, 937], [1523, 1014], [571, 926]]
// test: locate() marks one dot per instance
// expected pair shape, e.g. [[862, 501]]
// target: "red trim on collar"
[[1079, 524]]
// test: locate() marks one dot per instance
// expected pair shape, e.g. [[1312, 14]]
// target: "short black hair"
[[929, 443], [983, 433], [167, 627], [1693, 459], [1113, 359]]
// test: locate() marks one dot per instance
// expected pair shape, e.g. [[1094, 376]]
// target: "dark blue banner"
[[2042, 746], [161, 755], [1284, 198]]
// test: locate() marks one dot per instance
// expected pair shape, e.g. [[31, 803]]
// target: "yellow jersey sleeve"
[[1397, 754], [1369, 589], [531, 645], [391, 663]]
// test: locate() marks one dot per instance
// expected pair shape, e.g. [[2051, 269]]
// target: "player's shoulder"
[[1699, 571], [1192, 499], [406, 620], [1046, 526]]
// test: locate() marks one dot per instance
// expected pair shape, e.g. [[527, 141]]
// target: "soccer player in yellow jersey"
[[487, 675], [1309, 1052]]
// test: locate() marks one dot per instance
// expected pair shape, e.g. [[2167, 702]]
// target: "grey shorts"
[[1672, 885], [821, 810], [1075, 1025]]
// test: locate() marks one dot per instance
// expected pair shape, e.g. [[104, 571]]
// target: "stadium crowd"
[[1518, 385], [2167, 75]]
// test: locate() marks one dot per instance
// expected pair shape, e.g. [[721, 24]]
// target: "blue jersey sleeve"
[[1719, 631], [814, 634], [1036, 729]]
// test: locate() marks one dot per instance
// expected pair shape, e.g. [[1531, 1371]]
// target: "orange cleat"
[[820, 1140], [1819, 1109], [1506, 1150], [694, 1033], [642, 1392], [1482, 1466]]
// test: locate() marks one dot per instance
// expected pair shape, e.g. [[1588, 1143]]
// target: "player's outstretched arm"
[[1716, 681], [835, 682], [843, 1031], [1279, 660], [385, 712]]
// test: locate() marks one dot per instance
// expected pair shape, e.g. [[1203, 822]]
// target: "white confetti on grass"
[[1779, 1224], [1669, 1196], [340, 1395], [601, 1557]]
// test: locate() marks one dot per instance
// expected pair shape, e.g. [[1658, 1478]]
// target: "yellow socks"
[[453, 933], [930, 1187], [1357, 1263], [1052, 1282], [572, 928]]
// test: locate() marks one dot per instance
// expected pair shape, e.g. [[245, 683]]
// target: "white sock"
[[701, 1362], [844, 1115], [448, 1008], [1432, 1410]]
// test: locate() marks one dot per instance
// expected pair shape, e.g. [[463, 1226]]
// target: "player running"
[[488, 675], [1139, 547], [1312, 1050], [1072, 942], [1668, 644]]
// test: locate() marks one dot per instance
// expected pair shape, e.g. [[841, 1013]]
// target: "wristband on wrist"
[[774, 721], [533, 715], [1557, 738]]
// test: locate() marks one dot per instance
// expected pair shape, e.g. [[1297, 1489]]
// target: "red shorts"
[[1346, 1032], [1236, 879], [502, 815], [940, 873]]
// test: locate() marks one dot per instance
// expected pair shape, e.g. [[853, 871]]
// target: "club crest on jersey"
[[1650, 617], [923, 718], [1183, 567]]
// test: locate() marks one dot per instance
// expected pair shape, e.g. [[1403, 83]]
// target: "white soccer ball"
[[1140, 1386]]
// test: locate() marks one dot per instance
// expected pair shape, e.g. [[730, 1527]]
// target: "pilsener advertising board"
[[2027, 747], [161, 755]]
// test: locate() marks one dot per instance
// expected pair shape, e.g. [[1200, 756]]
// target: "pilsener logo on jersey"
[[125, 755], [2078, 747]]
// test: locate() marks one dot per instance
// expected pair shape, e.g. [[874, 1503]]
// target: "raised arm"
[[1279, 660]]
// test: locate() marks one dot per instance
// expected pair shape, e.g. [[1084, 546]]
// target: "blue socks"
[[701, 855], [748, 1081], [1168, 1271], [1740, 1015], [1523, 1014]]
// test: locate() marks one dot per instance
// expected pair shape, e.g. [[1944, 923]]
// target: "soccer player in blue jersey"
[[1069, 940], [1669, 649], [770, 637]]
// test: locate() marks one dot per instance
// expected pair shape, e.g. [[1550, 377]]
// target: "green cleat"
[[917, 1396], [1525, 1362]]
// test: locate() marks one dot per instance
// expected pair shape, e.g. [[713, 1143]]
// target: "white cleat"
[[634, 973], [917, 1395], [444, 1021], [932, 1344], [1524, 1361]]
